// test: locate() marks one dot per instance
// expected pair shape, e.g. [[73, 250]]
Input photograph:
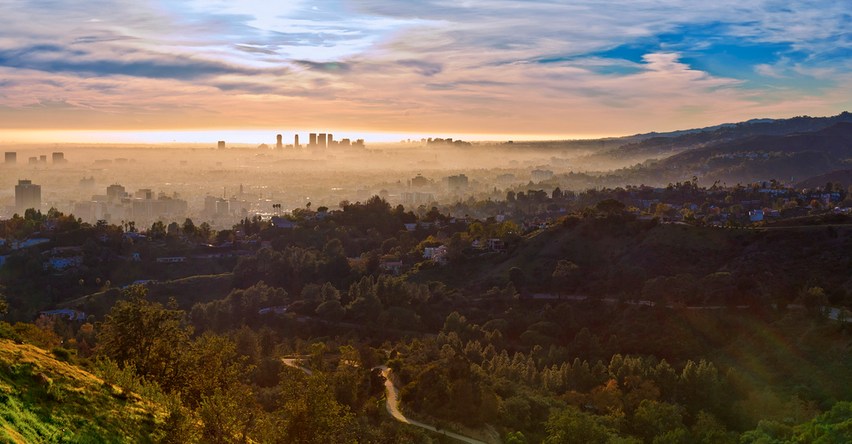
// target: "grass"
[[43, 399]]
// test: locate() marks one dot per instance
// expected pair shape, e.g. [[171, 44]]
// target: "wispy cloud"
[[585, 66]]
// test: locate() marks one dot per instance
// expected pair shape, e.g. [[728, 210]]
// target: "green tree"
[[570, 425], [148, 336], [566, 277], [309, 414]]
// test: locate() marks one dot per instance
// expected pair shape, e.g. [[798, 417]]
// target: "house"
[[63, 263], [171, 260], [73, 315], [495, 244], [437, 254], [29, 243], [391, 265], [280, 222], [278, 309]]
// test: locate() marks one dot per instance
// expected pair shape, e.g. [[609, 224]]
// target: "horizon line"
[[241, 136]]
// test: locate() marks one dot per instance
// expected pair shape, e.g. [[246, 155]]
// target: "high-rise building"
[[32, 160], [11, 158], [321, 143], [330, 139], [115, 193], [221, 145], [42, 158], [58, 157], [278, 144], [27, 195], [296, 142], [312, 140]]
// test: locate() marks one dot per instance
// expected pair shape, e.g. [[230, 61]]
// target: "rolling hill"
[[43, 399]]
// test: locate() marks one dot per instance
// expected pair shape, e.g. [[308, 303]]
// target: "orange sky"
[[488, 69]]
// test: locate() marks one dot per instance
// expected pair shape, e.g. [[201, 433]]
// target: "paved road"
[[297, 364], [392, 395], [393, 408]]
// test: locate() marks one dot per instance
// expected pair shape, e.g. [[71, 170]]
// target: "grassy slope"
[[186, 291], [46, 400]]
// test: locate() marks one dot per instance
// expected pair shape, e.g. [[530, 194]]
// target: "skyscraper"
[[296, 142], [58, 157], [27, 195], [330, 139], [221, 144], [278, 144], [321, 141], [11, 158], [312, 142]]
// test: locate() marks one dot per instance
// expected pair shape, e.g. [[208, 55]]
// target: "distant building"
[[419, 181], [115, 193], [330, 139], [27, 195], [221, 145], [58, 157], [32, 160], [321, 141], [10, 158], [312, 140], [42, 158], [278, 143], [541, 175], [457, 183], [296, 142]]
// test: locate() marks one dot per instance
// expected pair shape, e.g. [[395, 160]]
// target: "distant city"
[[224, 184]]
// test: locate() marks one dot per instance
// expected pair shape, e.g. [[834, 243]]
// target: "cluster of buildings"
[[142, 207], [315, 141], [10, 158]]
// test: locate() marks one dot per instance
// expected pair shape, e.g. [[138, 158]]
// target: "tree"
[[309, 414], [517, 278], [653, 419], [570, 425], [228, 415], [566, 277], [610, 206], [189, 228], [146, 335]]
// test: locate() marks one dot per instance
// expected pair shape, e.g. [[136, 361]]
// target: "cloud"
[[57, 59], [477, 65]]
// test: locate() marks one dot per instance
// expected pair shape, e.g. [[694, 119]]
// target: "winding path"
[[392, 405]]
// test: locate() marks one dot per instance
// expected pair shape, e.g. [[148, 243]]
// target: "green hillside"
[[43, 399]]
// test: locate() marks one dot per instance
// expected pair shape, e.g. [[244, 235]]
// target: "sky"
[[179, 70]]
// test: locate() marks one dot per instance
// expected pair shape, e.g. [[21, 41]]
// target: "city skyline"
[[498, 70]]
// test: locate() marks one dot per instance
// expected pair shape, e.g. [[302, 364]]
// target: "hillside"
[[660, 145], [46, 400], [840, 177], [759, 158]]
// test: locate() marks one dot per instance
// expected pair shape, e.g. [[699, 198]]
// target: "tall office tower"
[[296, 142], [278, 144], [321, 141], [221, 145], [27, 195], [312, 142], [58, 157], [11, 158], [115, 193], [330, 139]]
